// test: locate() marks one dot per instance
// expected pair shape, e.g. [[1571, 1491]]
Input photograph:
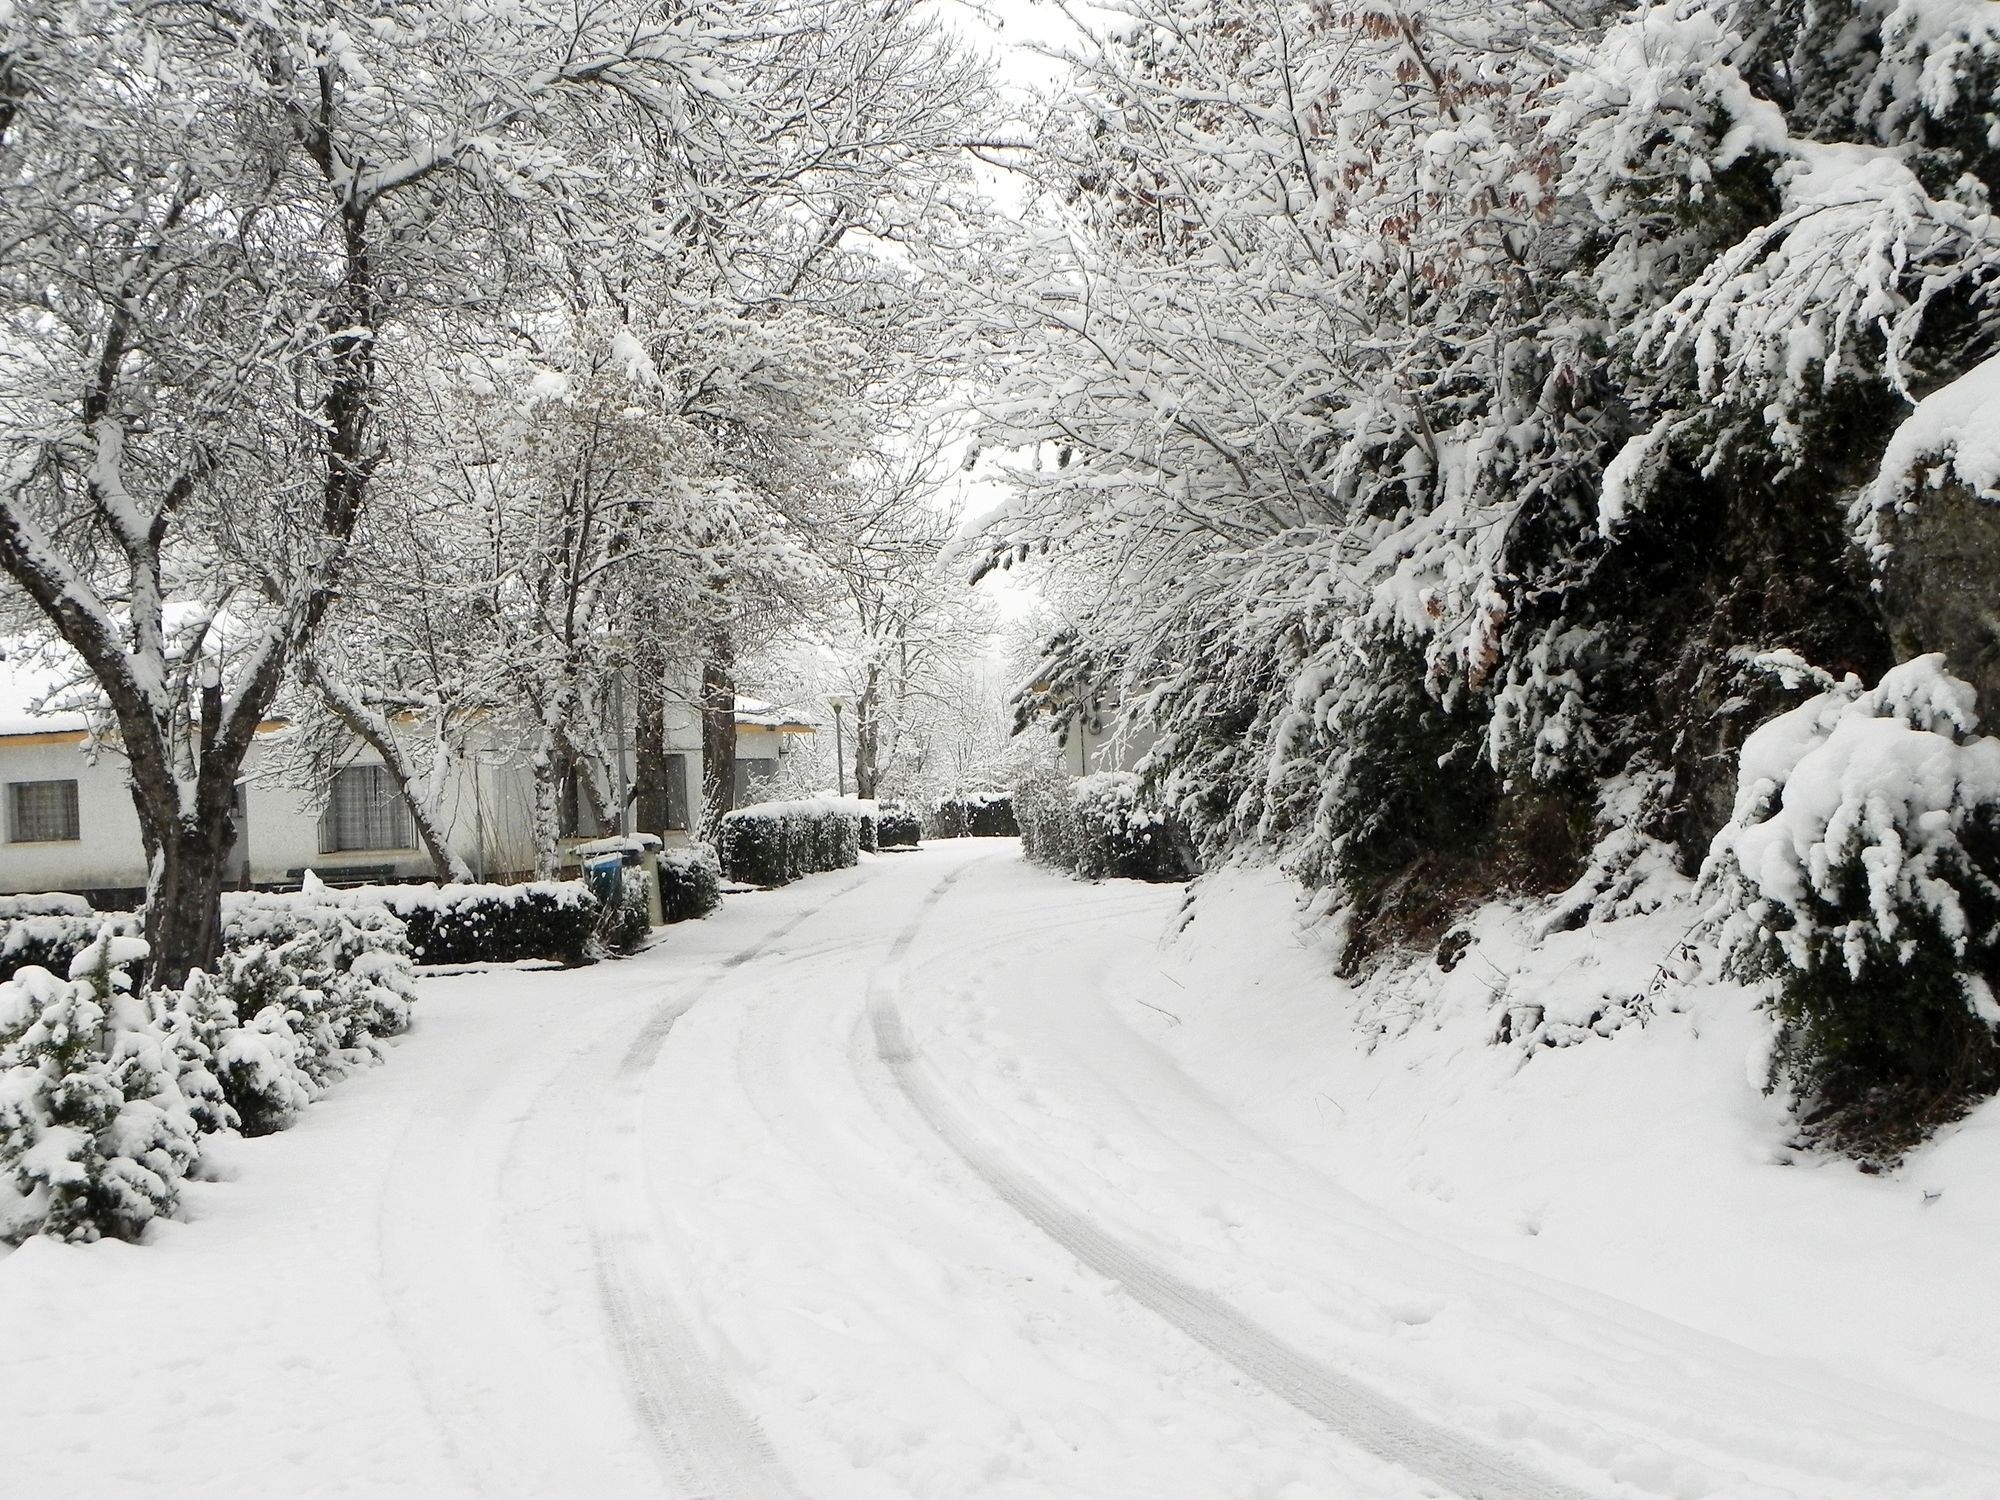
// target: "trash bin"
[[605, 875]]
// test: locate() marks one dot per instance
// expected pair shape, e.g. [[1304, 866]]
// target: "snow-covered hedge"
[[455, 924], [774, 843], [1859, 880], [974, 815], [1096, 826], [690, 882], [898, 829]]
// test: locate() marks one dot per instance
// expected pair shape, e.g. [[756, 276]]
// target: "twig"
[[1160, 1008]]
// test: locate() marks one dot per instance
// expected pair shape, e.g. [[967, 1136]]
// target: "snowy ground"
[[947, 1177]]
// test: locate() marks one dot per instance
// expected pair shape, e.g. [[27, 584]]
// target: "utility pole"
[[837, 702]]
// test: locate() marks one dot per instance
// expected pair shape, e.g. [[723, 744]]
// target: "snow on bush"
[[95, 1132], [775, 843], [898, 828], [974, 815], [454, 924], [1859, 879], [1096, 827], [42, 932], [690, 882]]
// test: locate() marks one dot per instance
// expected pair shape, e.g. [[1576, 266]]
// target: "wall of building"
[[486, 809]]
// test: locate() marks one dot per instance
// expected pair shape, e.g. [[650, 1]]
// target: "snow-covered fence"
[[775, 843], [1097, 826], [974, 815]]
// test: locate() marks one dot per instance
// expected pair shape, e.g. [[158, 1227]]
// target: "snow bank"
[[1551, 1103]]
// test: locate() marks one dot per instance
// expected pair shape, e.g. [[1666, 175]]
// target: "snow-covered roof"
[[754, 713], [30, 676]]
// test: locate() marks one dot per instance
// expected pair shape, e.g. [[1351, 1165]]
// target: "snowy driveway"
[[866, 1187]]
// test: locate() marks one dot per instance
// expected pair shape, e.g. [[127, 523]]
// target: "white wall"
[[108, 852]]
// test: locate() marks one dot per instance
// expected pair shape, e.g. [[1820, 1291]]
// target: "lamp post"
[[837, 702]]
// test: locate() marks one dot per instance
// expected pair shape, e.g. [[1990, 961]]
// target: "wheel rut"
[[1349, 1407]]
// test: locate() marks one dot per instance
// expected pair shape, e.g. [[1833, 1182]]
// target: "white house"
[[67, 820]]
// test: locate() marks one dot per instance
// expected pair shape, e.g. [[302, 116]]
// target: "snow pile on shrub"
[[1096, 826], [1859, 880], [43, 932], [974, 815], [455, 924], [775, 843], [690, 882], [96, 1131]]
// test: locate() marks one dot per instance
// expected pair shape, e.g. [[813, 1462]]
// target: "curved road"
[[862, 1188]]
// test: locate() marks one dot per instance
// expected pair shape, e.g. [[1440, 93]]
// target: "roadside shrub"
[[44, 932], [1096, 827], [1858, 882], [690, 882], [974, 815], [899, 829], [774, 843], [457, 924], [95, 1134]]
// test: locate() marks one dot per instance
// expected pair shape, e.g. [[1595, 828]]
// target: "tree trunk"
[[546, 815], [183, 913], [867, 734], [651, 802], [718, 732], [373, 731]]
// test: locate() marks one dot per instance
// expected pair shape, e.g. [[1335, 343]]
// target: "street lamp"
[[836, 702]]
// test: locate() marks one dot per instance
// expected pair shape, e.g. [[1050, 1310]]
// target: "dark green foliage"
[[50, 939], [1879, 1060], [499, 924], [690, 883], [1097, 827], [979, 815], [900, 829], [775, 843]]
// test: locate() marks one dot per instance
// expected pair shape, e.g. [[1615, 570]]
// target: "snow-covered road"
[[867, 1187]]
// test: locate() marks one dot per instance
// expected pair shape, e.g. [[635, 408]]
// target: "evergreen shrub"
[[1097, 827], [1858, 884], [456, 924], [774, 843], [690, 882], [96, 1133], [899, 829], [974, 815]]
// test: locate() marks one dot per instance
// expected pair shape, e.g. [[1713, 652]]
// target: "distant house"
[[763, 739], [67, 820]]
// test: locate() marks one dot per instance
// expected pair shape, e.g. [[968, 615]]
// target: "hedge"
[[899, 829], [457, 924], [974, 815], [1097, 826], [774, 843], [690, 882]]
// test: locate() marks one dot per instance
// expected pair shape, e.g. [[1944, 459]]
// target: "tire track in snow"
[[1353, 1410], [701, 1438]]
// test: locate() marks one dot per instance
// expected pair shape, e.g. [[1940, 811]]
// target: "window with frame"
[[42, 812], [365, 810]]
